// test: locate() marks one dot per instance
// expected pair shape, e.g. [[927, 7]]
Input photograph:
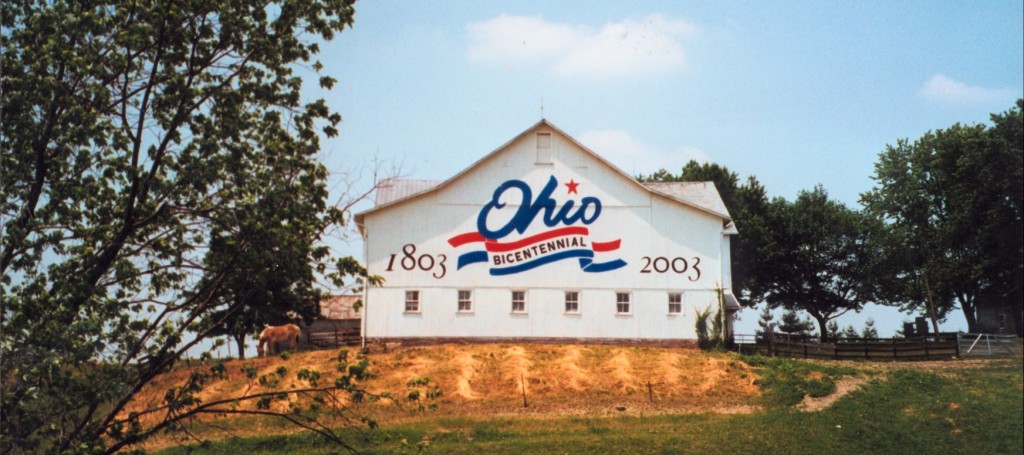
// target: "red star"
[[572, 186]]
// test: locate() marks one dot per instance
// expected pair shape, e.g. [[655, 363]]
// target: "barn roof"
[[392, 190], [702, 196]]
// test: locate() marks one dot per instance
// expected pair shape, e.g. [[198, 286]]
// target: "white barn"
[[543, 239]]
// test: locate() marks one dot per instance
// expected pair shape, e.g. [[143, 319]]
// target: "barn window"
[[465, 301], [675, 303], [412, 301], [572, 301], [518, 301], [622, 302]]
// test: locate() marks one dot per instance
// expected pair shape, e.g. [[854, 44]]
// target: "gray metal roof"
[[392, 190], [701, 194]]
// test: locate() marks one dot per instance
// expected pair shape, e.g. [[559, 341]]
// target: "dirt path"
[[849, 384], [844, 386]]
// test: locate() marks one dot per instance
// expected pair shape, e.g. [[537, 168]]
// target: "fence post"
[[893, 348], [958, 345], [865, 341], [771, 340], [926, 355]]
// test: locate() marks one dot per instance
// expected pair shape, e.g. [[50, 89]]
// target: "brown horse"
[[274, 334]]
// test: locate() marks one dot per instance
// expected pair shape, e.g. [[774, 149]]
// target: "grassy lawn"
[[978, 410]]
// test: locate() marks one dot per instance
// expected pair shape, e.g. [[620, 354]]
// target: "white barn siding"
[[649, 226]]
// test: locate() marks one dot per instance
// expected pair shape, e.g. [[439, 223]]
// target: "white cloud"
[[622, 49], [635, 157], [945, 90]]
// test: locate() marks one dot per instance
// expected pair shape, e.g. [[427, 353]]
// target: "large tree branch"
[[160, 363], [39, 148], [102, 264]]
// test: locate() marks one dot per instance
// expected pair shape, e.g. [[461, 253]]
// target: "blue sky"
[[795, 93]]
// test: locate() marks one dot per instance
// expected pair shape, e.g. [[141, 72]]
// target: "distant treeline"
[[940, 231]]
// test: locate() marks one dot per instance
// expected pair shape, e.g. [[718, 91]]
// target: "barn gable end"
[[543, 238]]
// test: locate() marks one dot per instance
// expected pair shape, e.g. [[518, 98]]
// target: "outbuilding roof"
[[340, 307]]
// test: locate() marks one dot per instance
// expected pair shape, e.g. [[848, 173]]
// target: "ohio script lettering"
[[564, 233]]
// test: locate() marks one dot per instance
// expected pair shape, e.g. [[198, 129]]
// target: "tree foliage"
[[159, 173], [266, 248], [710, 327], [765, 323], [792, 324], [952, 203], [869, 330], [833, 328], [849, 333], [825, 258]]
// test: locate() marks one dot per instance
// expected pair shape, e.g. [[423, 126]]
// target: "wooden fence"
[[946, 346], [330, 337]]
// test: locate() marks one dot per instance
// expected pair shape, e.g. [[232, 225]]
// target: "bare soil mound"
[[483, 380], [570, 379]]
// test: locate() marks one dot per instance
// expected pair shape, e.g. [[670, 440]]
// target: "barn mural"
[[544, 239]]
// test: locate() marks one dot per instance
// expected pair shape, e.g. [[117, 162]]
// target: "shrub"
[[703, 338]]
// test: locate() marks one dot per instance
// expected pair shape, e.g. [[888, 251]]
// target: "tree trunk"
[[240, 340], [970, 314], [822, 327], [931, 306]]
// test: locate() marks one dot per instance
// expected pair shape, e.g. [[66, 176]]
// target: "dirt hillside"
[[479, 380]]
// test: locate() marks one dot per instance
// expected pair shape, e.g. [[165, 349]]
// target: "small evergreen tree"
[[792, 324], [850, 333], [764, 324], [833, 330], [869, 329]]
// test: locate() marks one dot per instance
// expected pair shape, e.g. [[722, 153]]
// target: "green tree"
[[826, 257], [267, 249], [952, 203], [1007, 271], [755, 250], [833, 328], [792, 324], [140, 141], [764, 324], [748, 205], [849, 333], [869, 329]]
